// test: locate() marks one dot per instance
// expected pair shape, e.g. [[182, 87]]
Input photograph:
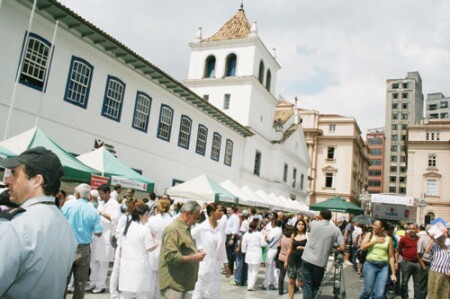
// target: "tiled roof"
[[237, 27], [284, 115]]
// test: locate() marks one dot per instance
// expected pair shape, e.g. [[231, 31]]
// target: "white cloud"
[[335, 55]]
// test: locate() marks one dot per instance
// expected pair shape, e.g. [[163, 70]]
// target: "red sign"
[[97, 180]]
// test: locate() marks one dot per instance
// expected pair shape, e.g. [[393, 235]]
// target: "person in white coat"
[[209, 237], [252, 244], [273, 239], [137, 242], [157, 224], [101, 249]]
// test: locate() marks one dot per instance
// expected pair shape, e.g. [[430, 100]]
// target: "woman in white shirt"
[[209, 237], [157, 224], [135, 271], [252, 244]]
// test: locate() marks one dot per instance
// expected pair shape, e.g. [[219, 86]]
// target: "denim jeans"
[[375, 279], [240, 275], [312, 276]]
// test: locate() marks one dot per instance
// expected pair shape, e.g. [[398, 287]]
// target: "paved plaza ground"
[[353, 286]]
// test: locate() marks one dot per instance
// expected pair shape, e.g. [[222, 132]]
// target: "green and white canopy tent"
[[119, 173], [74, 170], [202, 188], [4, 153]]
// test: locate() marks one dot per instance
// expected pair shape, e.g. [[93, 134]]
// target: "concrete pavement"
[[353, 285]]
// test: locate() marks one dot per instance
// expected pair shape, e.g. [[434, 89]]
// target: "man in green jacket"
[[179, 258]]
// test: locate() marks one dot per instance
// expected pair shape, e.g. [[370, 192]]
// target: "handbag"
[[361, 254]]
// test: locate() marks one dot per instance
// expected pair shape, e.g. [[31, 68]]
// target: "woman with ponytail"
[[137, 242]]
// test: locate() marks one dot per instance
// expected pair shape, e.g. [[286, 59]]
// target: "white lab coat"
[[252, 244], [101, 247], [134, 273], [212, 241], [157, 224]]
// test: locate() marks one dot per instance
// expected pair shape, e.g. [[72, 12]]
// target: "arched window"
[[268, 79], [210, 67], [230, 67], [261, 72]]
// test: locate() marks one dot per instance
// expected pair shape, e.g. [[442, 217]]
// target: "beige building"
[[339, 156], [428, 169]]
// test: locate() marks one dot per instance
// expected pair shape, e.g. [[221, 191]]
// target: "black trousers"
[[230, 253]]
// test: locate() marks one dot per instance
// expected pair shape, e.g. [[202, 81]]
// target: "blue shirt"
[[83, 218], [37, 250]]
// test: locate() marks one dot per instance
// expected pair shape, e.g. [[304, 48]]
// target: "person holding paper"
[[439, 275]]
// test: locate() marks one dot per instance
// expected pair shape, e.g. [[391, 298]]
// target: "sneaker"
[[251, 290], [70, 290], [89, 287], [272, 287], [264, 287], [98, 290], [233, 283]]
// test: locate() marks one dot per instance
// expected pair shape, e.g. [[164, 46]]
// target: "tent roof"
[[73, 169], [105, 162], [202, 188], [4, 152], [337, 204], [244, 198]]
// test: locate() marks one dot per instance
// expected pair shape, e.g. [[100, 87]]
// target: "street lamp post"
[[364, 197], [421, 203]]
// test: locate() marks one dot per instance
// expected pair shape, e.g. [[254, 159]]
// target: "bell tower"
[[234, 71]]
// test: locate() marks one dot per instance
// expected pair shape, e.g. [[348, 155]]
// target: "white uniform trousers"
[[253, 270], [114, 279], [131, 295], [99, 272], [155, 293], [271, 277], [208, 283]]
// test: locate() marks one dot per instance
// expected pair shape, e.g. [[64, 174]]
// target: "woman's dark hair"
[[201, 218], [296, 229], [383, 223], [136, 208], [288, 231], [253, 225], [211, 208]]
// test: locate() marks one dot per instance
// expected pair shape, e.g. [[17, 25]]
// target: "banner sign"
[[127, 183], [97, 180], [391, 212], [392, 199]]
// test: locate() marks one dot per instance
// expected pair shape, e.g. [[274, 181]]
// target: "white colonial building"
[[81, 86]]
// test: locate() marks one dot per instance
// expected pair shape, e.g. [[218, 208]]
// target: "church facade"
[[83, 88]]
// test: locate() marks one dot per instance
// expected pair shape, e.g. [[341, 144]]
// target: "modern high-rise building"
[[375, 140], [437, 106], [404, 106]]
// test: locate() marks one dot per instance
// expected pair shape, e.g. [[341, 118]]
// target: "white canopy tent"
[[274, 204], [261, 202], [247, 199], [202, 188]]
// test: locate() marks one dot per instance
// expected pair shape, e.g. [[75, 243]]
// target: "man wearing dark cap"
[[37, 244]]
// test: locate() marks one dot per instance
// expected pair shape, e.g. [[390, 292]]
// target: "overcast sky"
[[335, 56]]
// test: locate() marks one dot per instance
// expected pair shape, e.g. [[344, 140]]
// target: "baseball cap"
[[245, 212], [40, 159]]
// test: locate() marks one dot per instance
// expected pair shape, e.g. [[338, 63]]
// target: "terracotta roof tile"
[[237, 27]]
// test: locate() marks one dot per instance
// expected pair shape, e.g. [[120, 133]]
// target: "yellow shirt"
[[378, 252]]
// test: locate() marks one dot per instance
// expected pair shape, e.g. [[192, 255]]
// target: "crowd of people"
[[162, 249]]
